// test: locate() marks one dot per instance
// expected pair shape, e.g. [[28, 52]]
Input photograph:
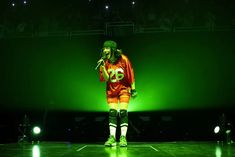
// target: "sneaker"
[[123, 142], [111, 141]]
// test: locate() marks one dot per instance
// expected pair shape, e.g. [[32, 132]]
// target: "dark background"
[[182, 53]]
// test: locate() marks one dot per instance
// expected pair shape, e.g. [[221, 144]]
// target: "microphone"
[[99, 64], [102, 59]]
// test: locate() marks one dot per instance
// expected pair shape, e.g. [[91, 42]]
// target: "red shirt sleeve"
[[101, 76]]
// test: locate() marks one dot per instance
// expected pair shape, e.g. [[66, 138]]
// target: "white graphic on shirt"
[[116, 75]]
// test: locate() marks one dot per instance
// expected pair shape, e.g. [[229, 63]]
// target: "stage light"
[[228, 133], [36, 134], [133, 2], [223, 130], [24, 129], [13, 4], [106, 7], [216, 129], [36, 130], [25, 2]]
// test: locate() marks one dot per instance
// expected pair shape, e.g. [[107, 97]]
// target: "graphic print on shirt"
[[116, 75]]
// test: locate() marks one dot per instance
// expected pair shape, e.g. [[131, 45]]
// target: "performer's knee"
[[123, 118], [113, 117]]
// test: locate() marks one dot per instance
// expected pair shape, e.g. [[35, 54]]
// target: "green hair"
[[113, 45]]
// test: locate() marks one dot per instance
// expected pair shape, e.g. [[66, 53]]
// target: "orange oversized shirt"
[[121, 75]]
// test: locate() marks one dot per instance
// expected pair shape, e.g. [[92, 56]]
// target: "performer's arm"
[[130, 75], [133, 90], [133, 86], [104, 73]]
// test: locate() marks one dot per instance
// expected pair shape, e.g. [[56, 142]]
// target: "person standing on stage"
[[116, 70]]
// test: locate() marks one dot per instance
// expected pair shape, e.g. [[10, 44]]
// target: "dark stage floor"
[[134, 149]]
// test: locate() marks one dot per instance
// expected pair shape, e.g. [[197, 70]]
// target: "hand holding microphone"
[[99, 63], [102, 59]]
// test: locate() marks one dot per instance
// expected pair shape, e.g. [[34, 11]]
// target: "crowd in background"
[[72, 15]]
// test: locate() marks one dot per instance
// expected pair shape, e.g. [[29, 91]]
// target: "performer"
[[116, 70]]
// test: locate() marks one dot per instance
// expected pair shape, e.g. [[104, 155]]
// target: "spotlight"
[[223, 130], [36, 134], [13, 4], [36, 130], [106, 7], [25, 2], [133, 2], [228, 133], [218, 133], [216, 129]]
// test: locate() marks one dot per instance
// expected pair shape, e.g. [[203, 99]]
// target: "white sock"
[[124, 130], [112, 131]]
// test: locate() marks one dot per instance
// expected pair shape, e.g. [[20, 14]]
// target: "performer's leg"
[[113, 106], [124, 100], [113, 118], [123, 118]]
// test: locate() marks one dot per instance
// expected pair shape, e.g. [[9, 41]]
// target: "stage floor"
[[134, 149]]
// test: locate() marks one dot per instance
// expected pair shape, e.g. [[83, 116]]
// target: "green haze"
[[173, 71]]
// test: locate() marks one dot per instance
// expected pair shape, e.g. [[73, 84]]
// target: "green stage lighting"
[[35, 151]]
